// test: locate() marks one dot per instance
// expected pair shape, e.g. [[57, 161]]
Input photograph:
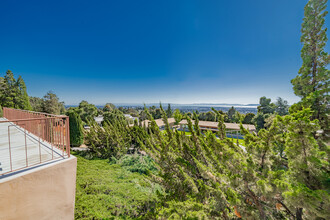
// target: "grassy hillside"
[[106, 191]]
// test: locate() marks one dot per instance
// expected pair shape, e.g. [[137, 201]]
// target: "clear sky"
[[214, 51]]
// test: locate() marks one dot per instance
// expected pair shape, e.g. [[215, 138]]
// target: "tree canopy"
[[312, 81], [13, 92]]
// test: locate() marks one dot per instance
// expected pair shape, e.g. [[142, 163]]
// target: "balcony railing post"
[[67, 136]]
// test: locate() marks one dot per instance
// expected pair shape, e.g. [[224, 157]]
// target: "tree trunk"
[[256, 201], [299, 213]]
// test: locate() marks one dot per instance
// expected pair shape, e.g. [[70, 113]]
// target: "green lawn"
[[186, 132], [107, 191]]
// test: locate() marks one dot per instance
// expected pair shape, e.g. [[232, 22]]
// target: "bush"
[[189, 209], [137, 163], [106, 191]]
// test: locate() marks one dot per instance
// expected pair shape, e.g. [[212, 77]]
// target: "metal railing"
[[42, 137]]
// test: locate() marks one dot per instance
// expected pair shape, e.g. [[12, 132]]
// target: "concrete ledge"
[[45, 192]]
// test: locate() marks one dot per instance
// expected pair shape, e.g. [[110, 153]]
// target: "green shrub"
[[137, 163], [106, 191], [189, 209]]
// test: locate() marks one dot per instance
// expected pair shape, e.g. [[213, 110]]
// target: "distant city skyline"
[[180, 52]]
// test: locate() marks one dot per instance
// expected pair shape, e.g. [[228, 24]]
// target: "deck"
[[25, 150]]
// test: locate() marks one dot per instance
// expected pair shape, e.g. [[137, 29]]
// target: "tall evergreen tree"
[[231, 114], [76, 129], [13, 92], [306, 180], [22, 98], [312, 81], [281, 106], [169, 111], [9, 91]]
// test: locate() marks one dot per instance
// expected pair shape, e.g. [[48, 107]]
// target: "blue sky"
[[190, 51]]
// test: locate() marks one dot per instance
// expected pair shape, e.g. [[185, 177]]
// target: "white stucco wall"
[[46, 192]]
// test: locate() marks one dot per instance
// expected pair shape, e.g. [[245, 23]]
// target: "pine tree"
[[231, 114], [13, 92], [312, 81], [169, 111], [305, 183], [281, 106], [215, 172], [9, 90], [22, 98]]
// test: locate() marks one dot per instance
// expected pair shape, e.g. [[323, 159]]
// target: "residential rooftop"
[[203, 124]]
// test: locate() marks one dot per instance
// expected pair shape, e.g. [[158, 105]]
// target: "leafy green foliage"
[[49, 104], [13, 92], [306, 180], [87, 111], [248, 118], [229, 182], [267, 111], [111, 116], [111, 140], [37, 104], [114, 138], [207, 116], [52, 105], [108, 107], [188, 209], [190, 166], [177, 116]]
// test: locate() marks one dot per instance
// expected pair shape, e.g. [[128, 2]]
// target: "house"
[[160, 123], [232, 129], [213, 126], [131, 118], [98, 120]]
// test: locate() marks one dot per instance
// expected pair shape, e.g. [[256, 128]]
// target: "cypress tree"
[[76, 129], [169, 111]]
